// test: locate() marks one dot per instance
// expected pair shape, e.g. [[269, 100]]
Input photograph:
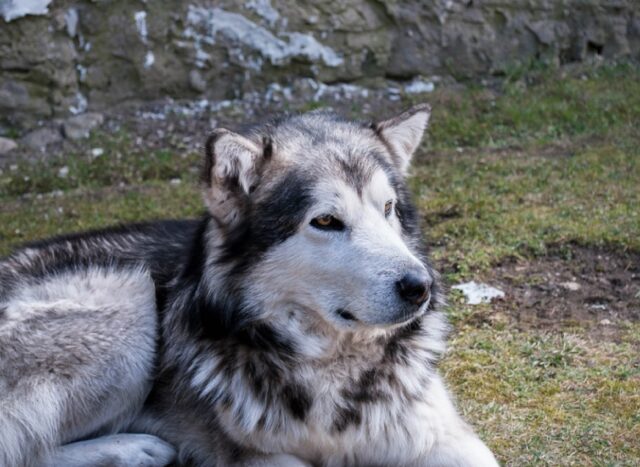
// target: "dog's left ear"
[[233, 164], [403, 134]]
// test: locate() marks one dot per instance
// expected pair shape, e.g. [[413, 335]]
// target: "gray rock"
[[14, 9], [80, 126], [197, 82], [7, 145], [42, 137], [222, 49]]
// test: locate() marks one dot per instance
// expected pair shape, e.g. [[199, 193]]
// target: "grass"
[[543, 160], [484, 206], [550, 399]]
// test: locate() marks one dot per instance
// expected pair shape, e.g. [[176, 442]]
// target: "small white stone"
[[605, 322], [149, 59], [63, 172], [71, 21], [97, 152], [477, 293], [13, 9], [571, 285], [419, 86]]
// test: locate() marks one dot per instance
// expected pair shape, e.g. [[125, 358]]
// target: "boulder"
[[42, 137], [80, 126], [7, 145]]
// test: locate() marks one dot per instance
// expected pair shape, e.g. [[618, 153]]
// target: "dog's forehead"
[[376, 187], [306, 137], [328, 147]]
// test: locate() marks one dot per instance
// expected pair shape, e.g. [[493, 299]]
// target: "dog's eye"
[[387, 208], [327, 222]]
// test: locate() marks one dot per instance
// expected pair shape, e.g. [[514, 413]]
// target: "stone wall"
[[64, 57]]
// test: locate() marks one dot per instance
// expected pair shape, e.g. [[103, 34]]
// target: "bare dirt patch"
[[571, 286]]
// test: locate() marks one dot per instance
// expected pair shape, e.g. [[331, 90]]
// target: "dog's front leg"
[[468, 451], [122, 450], [454, 443]]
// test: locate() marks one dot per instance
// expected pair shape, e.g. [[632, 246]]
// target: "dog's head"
[[316, 218]]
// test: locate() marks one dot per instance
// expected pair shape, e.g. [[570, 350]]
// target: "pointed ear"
[[232, 167], [403, 134]]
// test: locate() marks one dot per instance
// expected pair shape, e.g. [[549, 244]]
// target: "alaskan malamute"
[[296, 323]]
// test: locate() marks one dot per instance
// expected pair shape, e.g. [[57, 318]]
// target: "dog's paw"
[[121, 450], [139, 450]]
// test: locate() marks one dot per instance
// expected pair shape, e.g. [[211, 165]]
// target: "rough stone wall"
[[63, 57]]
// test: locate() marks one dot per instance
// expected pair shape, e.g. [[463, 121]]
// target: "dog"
[[297, 323]]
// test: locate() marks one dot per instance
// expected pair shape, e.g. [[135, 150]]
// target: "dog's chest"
[[349, 410], [366, 413]]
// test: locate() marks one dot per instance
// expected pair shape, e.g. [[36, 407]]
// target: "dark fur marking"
[[297, 400], [345, 417], [267, 144], [269, 222], [357, 170], [396, 350], [218, 321], [224, 318], [366, 389]]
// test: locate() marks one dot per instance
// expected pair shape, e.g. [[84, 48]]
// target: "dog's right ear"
[[231, 170]]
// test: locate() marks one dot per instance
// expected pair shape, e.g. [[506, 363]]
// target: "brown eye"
[[387, 208], [327, 222]]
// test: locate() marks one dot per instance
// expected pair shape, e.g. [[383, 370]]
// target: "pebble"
[[477, 293], [571, 285], [42, 137], [80, 126], [97, 152], [7, 145], [63, 172]]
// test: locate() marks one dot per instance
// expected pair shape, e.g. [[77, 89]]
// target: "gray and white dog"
[[296, 323]]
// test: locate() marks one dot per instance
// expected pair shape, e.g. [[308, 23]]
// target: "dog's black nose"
[[414, 287]]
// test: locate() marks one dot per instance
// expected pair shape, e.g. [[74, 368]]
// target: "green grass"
[[122, 162], [483, 206], [543, 399], [589, 103], [543, 161]]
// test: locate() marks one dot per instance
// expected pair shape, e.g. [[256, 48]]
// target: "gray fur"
[[251, 337]]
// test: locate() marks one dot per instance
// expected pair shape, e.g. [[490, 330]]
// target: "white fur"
[[29, 419], [32, 413], [121, 450]]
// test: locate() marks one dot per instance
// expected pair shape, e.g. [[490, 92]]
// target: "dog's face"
[[317, 219]]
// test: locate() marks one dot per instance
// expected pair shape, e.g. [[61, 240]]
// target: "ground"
[[530, 183]]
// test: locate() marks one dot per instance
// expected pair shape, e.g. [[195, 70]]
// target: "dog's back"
[[78, 332]]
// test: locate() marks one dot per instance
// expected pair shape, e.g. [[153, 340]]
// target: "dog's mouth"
[[401, 320], [346, 315]]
